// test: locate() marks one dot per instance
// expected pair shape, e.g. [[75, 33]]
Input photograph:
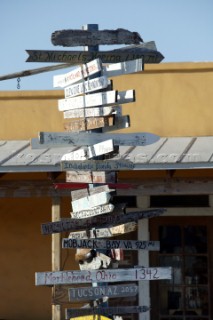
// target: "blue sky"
[[182, 30]]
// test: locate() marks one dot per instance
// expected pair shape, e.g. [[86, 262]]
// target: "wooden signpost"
[[80, 57], [90, 176], [90, 112], [74, 312], [106, 275], [104, 232], [79, 37], [111, 244], [63, 139], [100, 221], [105, 98], [93, 293]]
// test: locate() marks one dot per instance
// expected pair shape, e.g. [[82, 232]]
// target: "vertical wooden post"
[[143, 257], [56, 251]]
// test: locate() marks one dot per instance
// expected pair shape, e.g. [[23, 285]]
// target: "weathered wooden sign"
[[92, 317], [90, 152], [74, 312], [87, 86], [79, 37], [96, 165], [104, 232], [90, 123], [89, 112], [100, 221], [105, 98], [91, 177], [78, 57], [106, 275], [77, 74], [120, 122], [111, 70], [92, 201], [111, 244], [93, 212], [84, 192], [89, 138], [92, 293]]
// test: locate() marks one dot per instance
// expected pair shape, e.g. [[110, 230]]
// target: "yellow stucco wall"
[[172, 99]]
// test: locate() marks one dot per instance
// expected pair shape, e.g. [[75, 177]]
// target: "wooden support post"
[[143, 257], [56, 252]]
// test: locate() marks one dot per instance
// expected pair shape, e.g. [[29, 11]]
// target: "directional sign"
[[106, 275], [77, 74], [104, 232], [89, 138], [90, 152], [96, 165], [91, 201], [111, 244], [91, 123], [91, 177], [86, 86], [90, 112], [92, 317], [111, 97], [93, 293], [120, 122], [84, 192], [93, 67], [106, 208], [79, 37], [100, 221], [74, 312], [113, 56]]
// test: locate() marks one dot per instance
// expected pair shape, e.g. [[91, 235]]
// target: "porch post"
[[56, 251], [143, 202]]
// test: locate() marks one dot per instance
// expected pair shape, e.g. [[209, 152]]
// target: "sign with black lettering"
[[110, 244]]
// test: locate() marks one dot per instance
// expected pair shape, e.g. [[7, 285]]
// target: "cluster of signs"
[[94, 217]]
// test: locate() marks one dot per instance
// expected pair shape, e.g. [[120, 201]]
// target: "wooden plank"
[[106, 208], [111, 97], [86, 86], [74, 312], [121, 68], [78, 57], [96, 165], [91, 201], [92, 293], [80, 193], [90, 112], [111, 244], [78, 37], [77, 74], [108, 275], [104, 232], [101, 221], [91, 177], [89, 123], [90, 152], [92, 317], [88, 138], [112, 70]]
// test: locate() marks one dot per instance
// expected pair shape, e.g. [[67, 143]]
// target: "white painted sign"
[[106, 208], [111, 244], [90, 112], [126, 67], [81, 193], [92, 293], [91, 201], [97, 99], [77, 74], [106, 275], [87, 86]]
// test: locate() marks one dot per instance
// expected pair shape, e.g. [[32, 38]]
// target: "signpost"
[[100, 221], [79, 37], [90, 112], [74, 312], [91, 176], [93, 293]]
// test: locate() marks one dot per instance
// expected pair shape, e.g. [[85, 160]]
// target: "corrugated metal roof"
[[166, 153]]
